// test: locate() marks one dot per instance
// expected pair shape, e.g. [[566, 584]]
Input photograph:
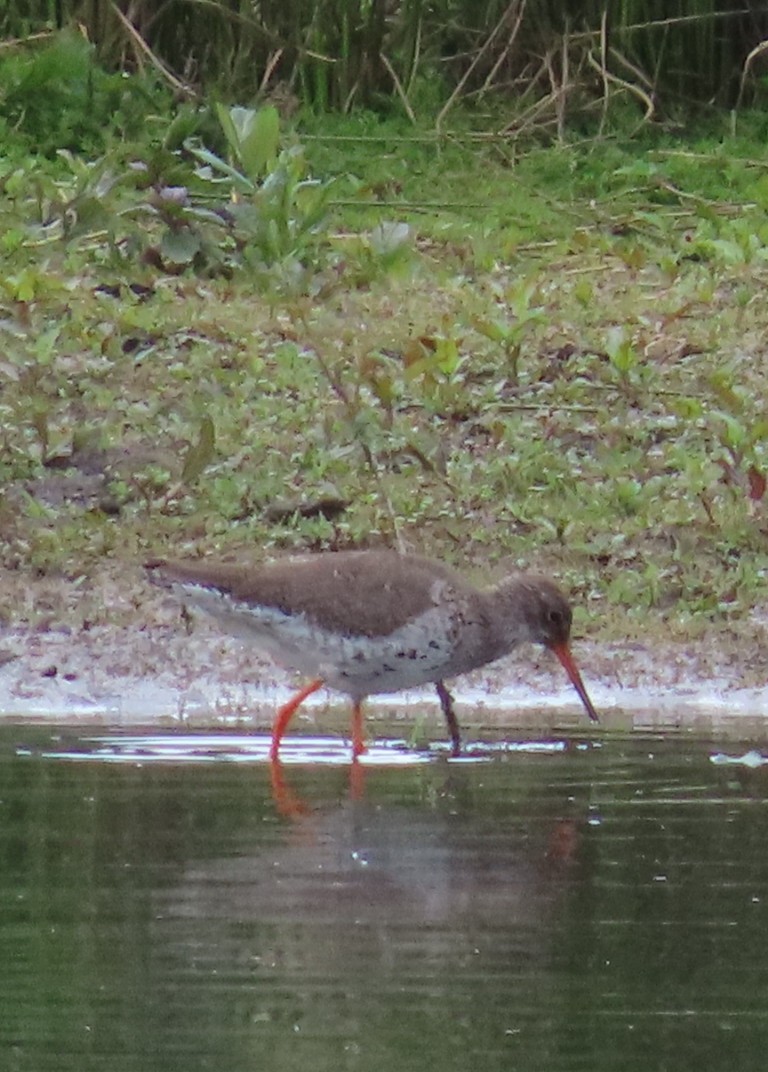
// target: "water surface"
[[591, 902]]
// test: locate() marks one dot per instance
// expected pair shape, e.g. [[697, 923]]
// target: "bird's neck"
[[508, 625]]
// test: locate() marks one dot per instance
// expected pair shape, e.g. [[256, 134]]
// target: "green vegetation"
[[224, 333], [552, 64]]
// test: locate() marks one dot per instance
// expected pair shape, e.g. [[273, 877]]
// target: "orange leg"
[[286, 801], [356, 780], [287, 711], [358, 742]]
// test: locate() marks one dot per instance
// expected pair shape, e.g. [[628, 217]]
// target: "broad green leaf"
[[200, 454], [253, 137], [224, 115], [180, 247], [491, 329], [259, 143]]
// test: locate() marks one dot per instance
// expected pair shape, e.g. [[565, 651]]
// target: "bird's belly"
[[415, 654], [363, 666], [362, 669]]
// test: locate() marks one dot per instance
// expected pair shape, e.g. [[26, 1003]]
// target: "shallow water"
[[582, 902]]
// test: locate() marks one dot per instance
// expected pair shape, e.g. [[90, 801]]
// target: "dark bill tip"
[[562, 651]]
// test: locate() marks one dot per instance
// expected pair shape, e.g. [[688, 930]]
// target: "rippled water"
[[571, 903]]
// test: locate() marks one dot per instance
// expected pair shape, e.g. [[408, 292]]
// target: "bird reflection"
[[290, 805], [352, 918]]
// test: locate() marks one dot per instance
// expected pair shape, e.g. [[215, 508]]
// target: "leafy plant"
[[275, 209], [742, 436], [511, 334], [537, 393], [56, 96], [253, 137]]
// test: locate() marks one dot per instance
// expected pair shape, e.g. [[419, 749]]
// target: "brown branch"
[[506, 14], [157, 63]]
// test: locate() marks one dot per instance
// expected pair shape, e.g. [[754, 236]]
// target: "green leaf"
[[253, 137], [620, 350], [388, 237], [260, 142], [224, 115], [758, 192], [180, 247], [215, 163], [491, 329], [200, 454], [23, 286], [734, 434]]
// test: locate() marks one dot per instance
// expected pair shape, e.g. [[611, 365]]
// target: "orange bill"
[[562, 651]]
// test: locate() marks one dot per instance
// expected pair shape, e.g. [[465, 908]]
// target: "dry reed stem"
[[758, 50], [677, 20], [416, 55], [478, 56], [630, 87], [272, 62], [556, 94], [604, 65], [398, 88], [504, 53], [157, 63], [562, 99], [636, 71], [15, 42]]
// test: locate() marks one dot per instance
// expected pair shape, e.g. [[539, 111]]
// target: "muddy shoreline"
[[147, 667]]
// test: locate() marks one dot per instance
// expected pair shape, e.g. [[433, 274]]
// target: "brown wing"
[[359, 593]]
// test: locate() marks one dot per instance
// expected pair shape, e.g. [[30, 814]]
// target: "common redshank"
[[367, 622]]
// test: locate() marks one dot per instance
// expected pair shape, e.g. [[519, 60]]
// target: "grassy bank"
[[552, 359]]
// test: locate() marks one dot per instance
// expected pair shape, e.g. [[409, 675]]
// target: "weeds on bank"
[[201, 350]]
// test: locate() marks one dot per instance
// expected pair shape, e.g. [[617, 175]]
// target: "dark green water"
[[587, 904]]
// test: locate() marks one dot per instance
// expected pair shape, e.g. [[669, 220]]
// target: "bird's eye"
[[558, 621]]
